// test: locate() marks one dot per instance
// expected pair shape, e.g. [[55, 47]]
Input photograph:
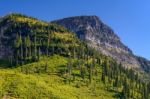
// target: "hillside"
[[32, 81], [101, 37], [39, 60]]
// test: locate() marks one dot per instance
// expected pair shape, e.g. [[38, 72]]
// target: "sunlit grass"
[[16, 83]]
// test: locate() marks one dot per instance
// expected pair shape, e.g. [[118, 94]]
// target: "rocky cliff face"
[[98, 35], [5, 49]]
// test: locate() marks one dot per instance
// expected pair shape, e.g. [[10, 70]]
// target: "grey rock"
[[100, 36]]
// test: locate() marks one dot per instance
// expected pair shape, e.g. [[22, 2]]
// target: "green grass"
[[31, 81], [50, 78]]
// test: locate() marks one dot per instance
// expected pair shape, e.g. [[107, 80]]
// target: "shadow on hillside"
[[117, 95], [4, 64]]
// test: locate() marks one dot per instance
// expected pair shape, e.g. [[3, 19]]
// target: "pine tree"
[[39, 53], [47, 46], [21, 49], [69, 69], [90, 72], [103, 75], [145, 94], [35, 48], [126, 90], [74, 51], [18, 49], [106, 66], [116, 82], [27, 46]]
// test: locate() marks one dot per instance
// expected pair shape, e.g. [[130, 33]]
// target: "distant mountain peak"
[[100, 36], [84, 26]]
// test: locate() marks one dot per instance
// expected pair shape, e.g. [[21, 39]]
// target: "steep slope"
[[42, 60], [20, 34], [34, 59], [31, 81], [100, 36]]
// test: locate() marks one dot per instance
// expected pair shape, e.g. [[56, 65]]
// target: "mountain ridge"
[[100, 36], [49, 61], [104, 39]]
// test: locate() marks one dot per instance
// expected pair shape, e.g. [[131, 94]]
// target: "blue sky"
[[130, 19]]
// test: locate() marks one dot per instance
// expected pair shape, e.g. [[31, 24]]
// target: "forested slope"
[[44, 60]]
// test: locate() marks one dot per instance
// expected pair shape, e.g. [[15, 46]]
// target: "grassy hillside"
[[48, 61], [33, 82]]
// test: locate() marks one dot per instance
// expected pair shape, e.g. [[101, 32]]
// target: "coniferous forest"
[[47, 61]]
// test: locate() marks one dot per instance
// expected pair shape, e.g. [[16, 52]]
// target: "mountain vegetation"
[[46, 61], [101, 37]]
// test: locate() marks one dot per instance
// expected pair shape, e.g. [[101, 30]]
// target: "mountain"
[[18, 31], [100, 36], [41, 60]]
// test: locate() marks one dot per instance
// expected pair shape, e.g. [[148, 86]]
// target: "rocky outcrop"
[[5, 49], [100, 36]]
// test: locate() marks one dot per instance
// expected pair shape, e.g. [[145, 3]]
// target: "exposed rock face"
[[144, 63], [5, 49], [100, 36]]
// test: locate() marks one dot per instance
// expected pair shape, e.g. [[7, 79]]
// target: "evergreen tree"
[[126, 90], [103, 75], [35, 48], [145, 94], [18, 49], [116, 81], [27, 46], [90, 72], [47, 46], [69, 68]]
